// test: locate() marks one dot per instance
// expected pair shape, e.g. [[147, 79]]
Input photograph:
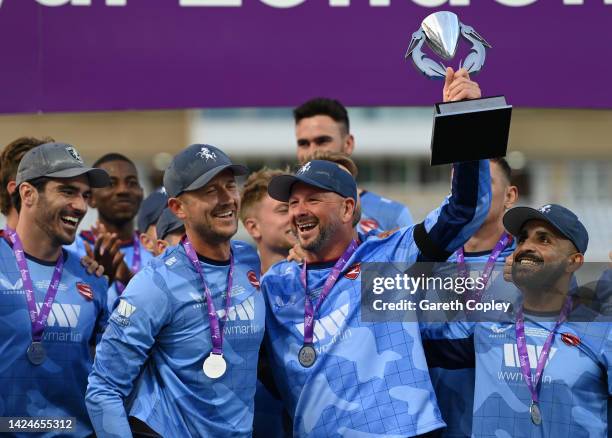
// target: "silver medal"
[[36, 353], [536, 415], [307, 356], [214, 366]]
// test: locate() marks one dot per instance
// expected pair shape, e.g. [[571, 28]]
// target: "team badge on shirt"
[[353, 271], [387, 233], [252, 276], [368, 225], [570, 339], [85, 290]]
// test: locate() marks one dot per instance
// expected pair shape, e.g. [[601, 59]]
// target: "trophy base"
[[470, 130]]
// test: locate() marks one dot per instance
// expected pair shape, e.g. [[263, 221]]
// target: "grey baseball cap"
[[58, 160], [195, 166]]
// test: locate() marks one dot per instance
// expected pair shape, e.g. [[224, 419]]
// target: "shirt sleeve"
[[447, 228], [449, 345], [144, 308], [405, 218]]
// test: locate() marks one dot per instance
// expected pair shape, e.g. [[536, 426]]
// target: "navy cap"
[[323, 174], [58, 160], [195, 166], [167, 223], [150, 209], [562, 219]]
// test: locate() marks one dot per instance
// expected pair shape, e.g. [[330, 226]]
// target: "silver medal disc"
[[307, 355], [536, 415], [214, 366], [36, 353]]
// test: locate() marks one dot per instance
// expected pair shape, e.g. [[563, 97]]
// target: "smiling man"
[[338, 374], [117, 207], [180, 352], [52, 310], [329, 364], [543, 370], [322, 124]]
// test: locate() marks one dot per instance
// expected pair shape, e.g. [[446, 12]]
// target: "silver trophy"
[[469, 129]]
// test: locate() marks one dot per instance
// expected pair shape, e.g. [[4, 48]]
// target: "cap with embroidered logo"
[[195, 166], [58, 160], [322, 174], [559, 217]]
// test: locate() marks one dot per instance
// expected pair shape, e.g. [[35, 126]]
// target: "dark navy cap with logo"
[[167, 223], [322, 174], [195, 166], [150, 209], [58, 160], [562, 219]]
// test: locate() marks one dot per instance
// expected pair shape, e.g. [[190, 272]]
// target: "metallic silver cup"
[[441, 31], [469, 129]]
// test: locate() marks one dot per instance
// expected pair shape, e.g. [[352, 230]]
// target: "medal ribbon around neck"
[[521, 344], [216, 333], [504, 240], [37, 319], [309, 310]]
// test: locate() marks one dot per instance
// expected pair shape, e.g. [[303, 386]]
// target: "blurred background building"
[[558, 156]]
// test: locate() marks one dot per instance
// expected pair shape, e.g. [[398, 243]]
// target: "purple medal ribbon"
[[215, 328], [521, 344], [136, 260], [309, 311], [38, 319], [502, 243]]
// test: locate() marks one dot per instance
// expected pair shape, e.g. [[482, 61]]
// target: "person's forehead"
[[268, 203], [222, 177], [81, 182], [540, 226], [319, 123], [119, 168], [302, 189]]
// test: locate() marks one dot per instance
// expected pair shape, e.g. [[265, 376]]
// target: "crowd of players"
[[156, 323]]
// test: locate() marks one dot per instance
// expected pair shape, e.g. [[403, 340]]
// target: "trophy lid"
[[442, 33]]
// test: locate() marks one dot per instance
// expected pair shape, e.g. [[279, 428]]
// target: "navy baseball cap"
[[58, 160], [167, 223], [150, 210], [323, 174], [561, 218], [195, 166]]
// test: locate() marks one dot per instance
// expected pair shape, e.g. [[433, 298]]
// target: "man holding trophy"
[[337, 374]]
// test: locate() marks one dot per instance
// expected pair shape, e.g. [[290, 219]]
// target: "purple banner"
[[84, 55]]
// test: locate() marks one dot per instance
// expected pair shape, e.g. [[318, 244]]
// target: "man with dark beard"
[[180, 351], [51, 310], [545, 368], [117, 207]]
